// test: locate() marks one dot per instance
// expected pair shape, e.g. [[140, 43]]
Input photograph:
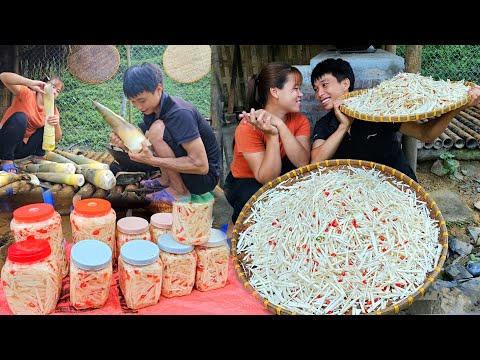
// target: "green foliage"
[[448, 162]]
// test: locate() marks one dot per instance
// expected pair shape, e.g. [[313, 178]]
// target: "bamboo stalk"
[[437, 143], [470, 141], [468, 115], [447, 141], [458, 142], [48, 142], [467, 129]]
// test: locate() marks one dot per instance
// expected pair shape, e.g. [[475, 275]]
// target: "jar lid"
[[34, 212], [132, 225], [217, 238], [93, 207], [28, 250], [91, 254], [139, 252], [162, 220], [166, 243]]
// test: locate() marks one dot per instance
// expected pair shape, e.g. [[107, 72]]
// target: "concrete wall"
[[369, 68]]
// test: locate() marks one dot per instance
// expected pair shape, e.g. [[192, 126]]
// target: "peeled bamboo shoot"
[[103, 179], [130, 135], [49, 130], [68, 179]]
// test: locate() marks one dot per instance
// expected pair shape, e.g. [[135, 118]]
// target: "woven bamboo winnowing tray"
[[93, 64], [401, 118], [187, 63], [332, 165]]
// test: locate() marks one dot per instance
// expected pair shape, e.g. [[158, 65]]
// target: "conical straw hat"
[[93, 64], [187, 63]]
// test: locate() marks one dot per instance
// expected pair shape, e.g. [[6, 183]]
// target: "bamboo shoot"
[[49, 167], [78, 159], [103, 179], [68, 179], [52, 156], [49, 130], [130, 135]]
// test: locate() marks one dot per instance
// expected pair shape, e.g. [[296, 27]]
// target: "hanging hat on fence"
[[187, 63], [93, 64]]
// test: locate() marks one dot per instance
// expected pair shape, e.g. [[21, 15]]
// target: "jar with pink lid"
[[94, 219], [31, 278], [41, 221], [131, 228], [212, 263], [160, 223]]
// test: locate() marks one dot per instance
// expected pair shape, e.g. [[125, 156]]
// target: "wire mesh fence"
[[82, 125], [454, 62]]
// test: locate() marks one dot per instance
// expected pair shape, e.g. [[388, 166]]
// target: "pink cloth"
[[232, 299]]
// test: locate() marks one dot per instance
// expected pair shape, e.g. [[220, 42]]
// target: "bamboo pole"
[[413, 62], [447, 141], [458, 142], [470, 141], [216, 108], [129, 63]]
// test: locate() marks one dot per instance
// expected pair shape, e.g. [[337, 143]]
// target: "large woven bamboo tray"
[[239, 259], [401, 118]]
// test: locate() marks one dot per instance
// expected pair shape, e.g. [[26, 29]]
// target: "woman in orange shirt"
[[21, 129], [273, 138]]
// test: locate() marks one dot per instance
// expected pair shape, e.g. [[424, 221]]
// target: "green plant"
[[449, 163]]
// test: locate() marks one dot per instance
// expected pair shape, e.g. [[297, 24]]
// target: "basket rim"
[[401, 118], [392, 309]]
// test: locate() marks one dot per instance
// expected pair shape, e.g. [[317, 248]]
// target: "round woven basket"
[[93, 64], [333, 165], [401, 118], [187, 63]]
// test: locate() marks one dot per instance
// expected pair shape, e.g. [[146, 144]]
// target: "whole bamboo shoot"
[[102, 166], [78, 159], [8, 178], [68, 179], [52, 156], [49, 130], [130, 135], [103, 179], [49, 167]]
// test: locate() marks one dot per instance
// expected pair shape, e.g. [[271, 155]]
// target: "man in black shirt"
[[185, 147], [338, 136]]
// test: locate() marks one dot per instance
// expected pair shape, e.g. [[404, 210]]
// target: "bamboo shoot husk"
[[104, 179], [68, 179], [130, 135], [92, 166], [52, 156], [49, 130], [78, 159], [8, 178], [60, 168]]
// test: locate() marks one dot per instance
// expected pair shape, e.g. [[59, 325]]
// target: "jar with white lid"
[[132, 228], [40, 221], [94, 219], [140, 273], [212, 264], [179, 263], [31, 278], [192, 220], [90, 274], [160, 223]]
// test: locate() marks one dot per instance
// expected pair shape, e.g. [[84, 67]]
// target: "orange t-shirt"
[[251, 140], [26, 101]]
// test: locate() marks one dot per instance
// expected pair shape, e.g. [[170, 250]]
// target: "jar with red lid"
[[160, 223], [31, 278], [131, 228], [40, 221], [94, 219]]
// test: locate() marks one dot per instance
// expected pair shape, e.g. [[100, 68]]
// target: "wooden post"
[[216, 105], [129, 62], [413, 62], [233, 80], [391, 48]]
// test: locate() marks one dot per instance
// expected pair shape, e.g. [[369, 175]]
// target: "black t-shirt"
[[183, 123], [366, 140]]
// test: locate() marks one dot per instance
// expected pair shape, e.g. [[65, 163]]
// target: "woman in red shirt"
[[21, 128], [273, 138]]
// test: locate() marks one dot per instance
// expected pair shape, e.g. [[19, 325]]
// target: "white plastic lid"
[[132, 225], [166, 243], [139, 252], [162, 220], [217, 238], [91, 254]]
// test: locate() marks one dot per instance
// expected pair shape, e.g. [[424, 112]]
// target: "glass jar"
[[131, 228], [31, 278], [140, 273], [94, 219], [212, 264], [179, 262], [160, 223], [192, 220], [41, 221], [90, 274]]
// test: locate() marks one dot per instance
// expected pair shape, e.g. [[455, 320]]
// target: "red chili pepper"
[[96, 232]]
